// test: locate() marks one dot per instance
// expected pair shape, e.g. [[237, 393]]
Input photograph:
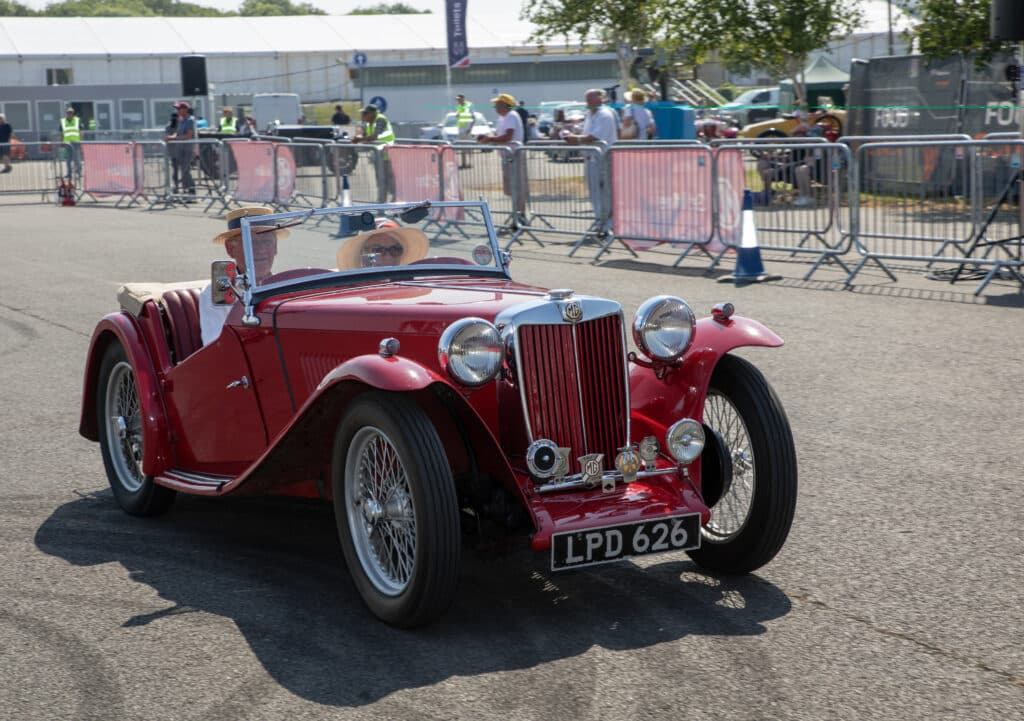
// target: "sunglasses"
[[393, 250]]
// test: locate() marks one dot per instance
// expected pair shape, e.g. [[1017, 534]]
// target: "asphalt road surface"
[[897, 596]]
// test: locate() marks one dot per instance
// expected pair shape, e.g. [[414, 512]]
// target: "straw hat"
[[234, 219], [414, 245], [505, 98]]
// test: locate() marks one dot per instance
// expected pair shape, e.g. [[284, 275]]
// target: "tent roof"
[[102, 36], [822, 71]]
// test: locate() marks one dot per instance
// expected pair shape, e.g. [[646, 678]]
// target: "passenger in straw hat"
[[388, 244], [265, 235]]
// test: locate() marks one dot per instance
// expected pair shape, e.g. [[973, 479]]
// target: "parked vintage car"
[[833, 120], [401, 374]]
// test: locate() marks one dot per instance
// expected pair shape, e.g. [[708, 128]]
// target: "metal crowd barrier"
[[36, 172], [802, 199], [939, 201], [353, 170], [496, 174]]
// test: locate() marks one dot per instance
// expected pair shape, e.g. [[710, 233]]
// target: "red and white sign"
[[256, 161], [666, 195], [111, 168], [426, 172]]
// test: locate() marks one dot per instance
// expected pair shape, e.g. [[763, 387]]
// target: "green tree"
[[9, 9], [389, 9], [774, 35], [128, 8], [621, 26], [946, 27], [277, 7]]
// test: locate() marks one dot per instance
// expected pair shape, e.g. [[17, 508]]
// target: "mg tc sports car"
[[383, 359]]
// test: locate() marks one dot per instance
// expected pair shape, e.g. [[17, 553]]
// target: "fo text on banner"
[[458, 45]]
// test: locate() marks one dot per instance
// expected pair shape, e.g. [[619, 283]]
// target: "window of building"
[[133, 114], [495, 73], [17, 115], [58, 76]]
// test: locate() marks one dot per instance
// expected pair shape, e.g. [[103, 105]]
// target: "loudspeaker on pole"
[[193, 75], [749, 268]]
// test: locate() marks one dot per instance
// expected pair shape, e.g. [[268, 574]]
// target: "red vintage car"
[[407, 379]]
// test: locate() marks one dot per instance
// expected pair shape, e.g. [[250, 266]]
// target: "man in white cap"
[[265, 235]]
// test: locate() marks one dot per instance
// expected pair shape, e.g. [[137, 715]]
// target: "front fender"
[[124, 329], [680, 392], [386, 374]]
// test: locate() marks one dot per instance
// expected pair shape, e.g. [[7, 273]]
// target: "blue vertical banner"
[[458, 46]]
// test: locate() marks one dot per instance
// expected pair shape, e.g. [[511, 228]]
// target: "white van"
[[270, 108], [752, 106]]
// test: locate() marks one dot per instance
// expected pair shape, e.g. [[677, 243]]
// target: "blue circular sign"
[[359, 59], [380, 102]]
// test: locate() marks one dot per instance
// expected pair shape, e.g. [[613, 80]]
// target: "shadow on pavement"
[[275, 568]]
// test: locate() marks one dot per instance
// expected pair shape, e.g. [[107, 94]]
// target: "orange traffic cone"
[[749, 268]]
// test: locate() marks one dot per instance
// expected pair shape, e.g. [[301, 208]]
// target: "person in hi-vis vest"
[[227, 122], [71, 134], [376, 129]]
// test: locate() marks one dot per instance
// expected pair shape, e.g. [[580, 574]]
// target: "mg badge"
[[628, 463], [592, 469], [572, 312]]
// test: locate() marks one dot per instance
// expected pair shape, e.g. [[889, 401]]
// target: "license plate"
[[574, 549]]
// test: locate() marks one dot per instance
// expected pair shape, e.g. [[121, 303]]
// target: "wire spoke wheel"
[[396, 509], [729, 515], [381, 515], [751, 520]]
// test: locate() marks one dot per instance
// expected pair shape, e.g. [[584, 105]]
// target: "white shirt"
[[511, 120], [602, 125], [211, 317], [641, 116]]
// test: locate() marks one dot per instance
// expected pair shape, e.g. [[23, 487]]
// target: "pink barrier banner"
[[418, 176], [256, 161], [665, 195], [732, 181], [112, 168]]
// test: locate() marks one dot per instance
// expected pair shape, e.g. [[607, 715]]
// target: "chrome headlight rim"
[[685, 440], [450, 351], [645, 330]]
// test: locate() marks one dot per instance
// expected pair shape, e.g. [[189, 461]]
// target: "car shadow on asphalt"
[[275, 568]]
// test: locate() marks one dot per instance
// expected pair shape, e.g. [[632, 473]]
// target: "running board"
[[202, 484]]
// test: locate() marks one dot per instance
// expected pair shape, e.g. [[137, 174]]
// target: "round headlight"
[[471, 351], [685, 440], [663, 327]]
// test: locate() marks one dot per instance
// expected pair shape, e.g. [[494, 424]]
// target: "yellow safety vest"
[[465, 114], [227, 125], [71, 130], [385, 138]]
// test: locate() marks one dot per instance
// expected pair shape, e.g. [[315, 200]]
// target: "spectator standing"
[[180, 149], [463, 116], [227, 122], [376, 129], [637, 120], [509, 129], [600, 126], [524, 116], [340, 117], [6, 131], [71, 134]]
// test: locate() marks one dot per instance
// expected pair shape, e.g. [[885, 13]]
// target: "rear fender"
[[657, 402], [124, 329]]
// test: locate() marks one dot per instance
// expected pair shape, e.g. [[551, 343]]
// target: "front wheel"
[[119, 419], [396, 510], [750, 521]]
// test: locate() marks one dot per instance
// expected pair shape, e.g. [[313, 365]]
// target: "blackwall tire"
[[119, 419], [396, 510], [751, 521]]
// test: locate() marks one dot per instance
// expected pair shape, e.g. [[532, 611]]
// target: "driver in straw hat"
[[265, 235], [388, 244]]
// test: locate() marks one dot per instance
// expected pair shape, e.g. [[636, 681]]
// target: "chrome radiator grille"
[[574, 388]]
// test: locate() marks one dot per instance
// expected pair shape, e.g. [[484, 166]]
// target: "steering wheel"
[[442, 260]]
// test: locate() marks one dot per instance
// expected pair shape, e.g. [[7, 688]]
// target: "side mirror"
[[222, 281]]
